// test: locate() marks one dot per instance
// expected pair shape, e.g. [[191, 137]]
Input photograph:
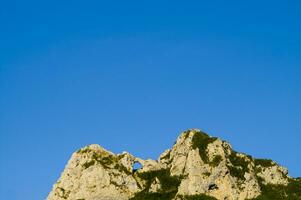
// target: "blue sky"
[[133, 75]]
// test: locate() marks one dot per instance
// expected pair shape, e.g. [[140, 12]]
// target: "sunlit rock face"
[[198, 166]]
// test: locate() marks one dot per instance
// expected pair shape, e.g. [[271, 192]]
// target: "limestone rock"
[[197, 165], [155, 186], [94, 173], [273, 174]]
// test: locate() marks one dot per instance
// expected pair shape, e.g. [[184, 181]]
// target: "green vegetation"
[[197, 197], [168, 182], [207, 174], [201, 140], [186, 134], [84, 150], [264, 162], [216, 160], [166, 156], [281, 192], [240, 166], [88, 164], [169, 185], [63, 193], [106, 160], [154, 196]]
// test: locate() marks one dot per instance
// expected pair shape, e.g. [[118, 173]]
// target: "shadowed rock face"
[[196, 167]]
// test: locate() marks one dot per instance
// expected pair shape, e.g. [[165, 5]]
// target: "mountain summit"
[[198, 166]]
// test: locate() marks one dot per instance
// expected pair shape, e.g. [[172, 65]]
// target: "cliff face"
[[196, 167]]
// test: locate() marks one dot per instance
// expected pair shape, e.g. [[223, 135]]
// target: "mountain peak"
[[198, 166]]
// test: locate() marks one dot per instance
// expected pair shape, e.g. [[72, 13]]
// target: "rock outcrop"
[[198, 166]]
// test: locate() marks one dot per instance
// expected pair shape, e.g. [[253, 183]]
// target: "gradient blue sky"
[[131, 75]]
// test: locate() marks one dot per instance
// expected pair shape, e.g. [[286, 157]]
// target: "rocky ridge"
[[198, 166]]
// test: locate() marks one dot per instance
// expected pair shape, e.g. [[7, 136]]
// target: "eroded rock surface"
[[196, 167]]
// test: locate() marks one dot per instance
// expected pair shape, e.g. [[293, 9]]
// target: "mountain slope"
[[196, 167]]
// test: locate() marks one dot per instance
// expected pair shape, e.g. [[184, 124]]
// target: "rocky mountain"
[[198, 166]]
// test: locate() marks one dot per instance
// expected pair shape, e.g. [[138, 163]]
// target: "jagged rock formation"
[[196, 167]]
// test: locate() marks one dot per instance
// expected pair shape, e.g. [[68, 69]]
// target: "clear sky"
[[131, 75]]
